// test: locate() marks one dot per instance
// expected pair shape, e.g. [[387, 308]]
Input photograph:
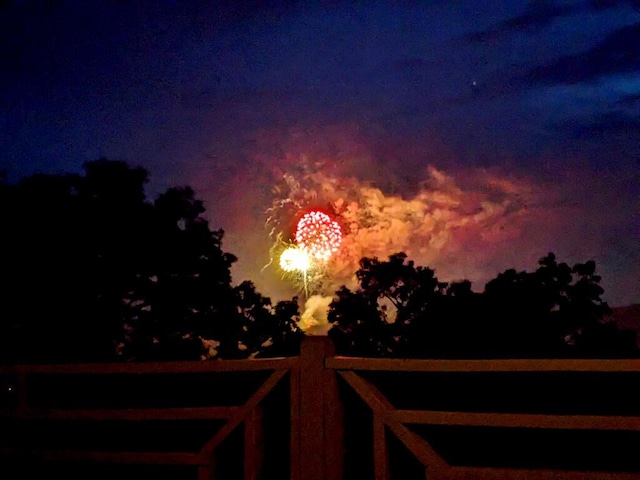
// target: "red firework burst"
[[319, 235]]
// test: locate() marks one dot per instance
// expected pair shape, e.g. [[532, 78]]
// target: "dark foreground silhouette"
[[94, 271]]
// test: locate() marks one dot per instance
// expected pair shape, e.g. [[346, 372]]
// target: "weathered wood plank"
[[206, 473], [253, 444], [312, 409], [333, 421], [381, 406], [520, 420], [380, 453], [294, 411], [132, 414], [243, 412], [147, 458], [155, 367], [484, 473], [510, 365]]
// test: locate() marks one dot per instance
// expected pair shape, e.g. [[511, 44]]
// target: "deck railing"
[[316, 413], [246, 414], [388, 418]]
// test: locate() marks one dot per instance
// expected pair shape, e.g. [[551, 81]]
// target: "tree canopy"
[[400, 309], [94, 271]]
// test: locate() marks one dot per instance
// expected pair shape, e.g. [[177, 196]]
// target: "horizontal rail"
[[387, 416], [490, 473], [493, 365], [243, 412], [144, 458], [203, 366], [421, 449], [135, 414], [389, 420], [518, 420]]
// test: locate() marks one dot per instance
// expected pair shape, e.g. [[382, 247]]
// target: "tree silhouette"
[[555, 311], [400, 309], [392, 296], [266, 330], [522, 310], [94, 271], [65, 258]]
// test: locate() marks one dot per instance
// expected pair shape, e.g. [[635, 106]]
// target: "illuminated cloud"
[[464, 222], [441, 221]]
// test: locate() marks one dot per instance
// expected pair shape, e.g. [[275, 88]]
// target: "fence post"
[[253, 444], [319, 423]]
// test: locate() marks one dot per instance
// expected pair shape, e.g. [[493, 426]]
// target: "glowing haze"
[[470, 226], [465, 222], [441, 224]]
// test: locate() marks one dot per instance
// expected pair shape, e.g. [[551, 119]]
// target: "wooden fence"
[[387, 418], [318, 385]]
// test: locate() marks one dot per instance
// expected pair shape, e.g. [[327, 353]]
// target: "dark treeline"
[[94, 271], [403, 310]]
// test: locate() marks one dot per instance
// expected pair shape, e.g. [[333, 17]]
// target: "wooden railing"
[[389, 418], [248, 413], [317, 413]]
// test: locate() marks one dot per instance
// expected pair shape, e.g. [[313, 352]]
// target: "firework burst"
[[295, 259], [319, 235]]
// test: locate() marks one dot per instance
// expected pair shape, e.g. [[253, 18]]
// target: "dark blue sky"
[[220, 95]]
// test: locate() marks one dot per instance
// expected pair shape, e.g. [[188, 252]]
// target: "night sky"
[[515, 124]]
